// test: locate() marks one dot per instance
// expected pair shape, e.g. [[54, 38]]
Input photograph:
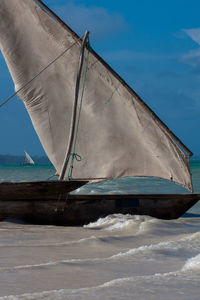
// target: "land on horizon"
[[8, 159], [158, 56]]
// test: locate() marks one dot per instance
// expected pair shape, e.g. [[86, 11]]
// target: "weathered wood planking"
[[50, 203], [38, 189], [162, 206]]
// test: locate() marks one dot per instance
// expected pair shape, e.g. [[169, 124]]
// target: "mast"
[[118, 136], [73, 119]]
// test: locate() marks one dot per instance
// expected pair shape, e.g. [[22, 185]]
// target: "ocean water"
[[116, 257]]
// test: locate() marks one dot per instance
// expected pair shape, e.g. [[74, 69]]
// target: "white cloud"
[[129, 55], [194, 34], [97, 20], [193, 56]]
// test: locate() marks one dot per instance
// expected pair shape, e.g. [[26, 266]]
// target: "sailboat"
[[28, 160], [91, 124]]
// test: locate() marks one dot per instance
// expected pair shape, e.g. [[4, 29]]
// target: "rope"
[[74, 155], [51, 63], [54, 175], [108, 100]]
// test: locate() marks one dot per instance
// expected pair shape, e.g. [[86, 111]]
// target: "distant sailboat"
[[28, 160], [92, 125]]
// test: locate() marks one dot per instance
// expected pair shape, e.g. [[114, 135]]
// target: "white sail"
[[29, 160], [118, 134]]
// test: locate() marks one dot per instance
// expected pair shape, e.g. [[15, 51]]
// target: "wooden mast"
[[73, 119]]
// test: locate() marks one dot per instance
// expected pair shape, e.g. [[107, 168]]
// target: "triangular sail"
[[118, 134], [29, 160]]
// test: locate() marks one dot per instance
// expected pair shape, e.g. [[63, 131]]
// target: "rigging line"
[[27, 83], [115, 90], [74, 110], [81, 100], [74, 155], [54, 175]]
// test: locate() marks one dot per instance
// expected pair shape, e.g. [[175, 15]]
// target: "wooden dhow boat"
[[91, 124]]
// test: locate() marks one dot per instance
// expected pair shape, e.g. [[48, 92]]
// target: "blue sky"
[[154, 45]]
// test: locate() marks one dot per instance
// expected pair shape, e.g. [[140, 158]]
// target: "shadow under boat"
[[50, 202]]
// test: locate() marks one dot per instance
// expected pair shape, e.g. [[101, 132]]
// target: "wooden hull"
[[49, 202]]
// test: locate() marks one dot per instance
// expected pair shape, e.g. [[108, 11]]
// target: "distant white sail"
[[118, 134], [29, 160]]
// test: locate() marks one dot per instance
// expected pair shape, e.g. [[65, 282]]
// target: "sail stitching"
[[115, 90], [45, 10]]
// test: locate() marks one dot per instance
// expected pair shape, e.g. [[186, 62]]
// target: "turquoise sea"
[[116, 257], [123, 185]]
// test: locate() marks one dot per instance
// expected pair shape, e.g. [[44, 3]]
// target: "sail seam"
[[113, 92]]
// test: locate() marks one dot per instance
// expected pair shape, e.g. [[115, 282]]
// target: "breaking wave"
[[112, 288], [192, 264], [190, 242], [119, 221]]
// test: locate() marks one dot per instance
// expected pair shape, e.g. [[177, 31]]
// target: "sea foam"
[[119, 222], [192, 263]]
